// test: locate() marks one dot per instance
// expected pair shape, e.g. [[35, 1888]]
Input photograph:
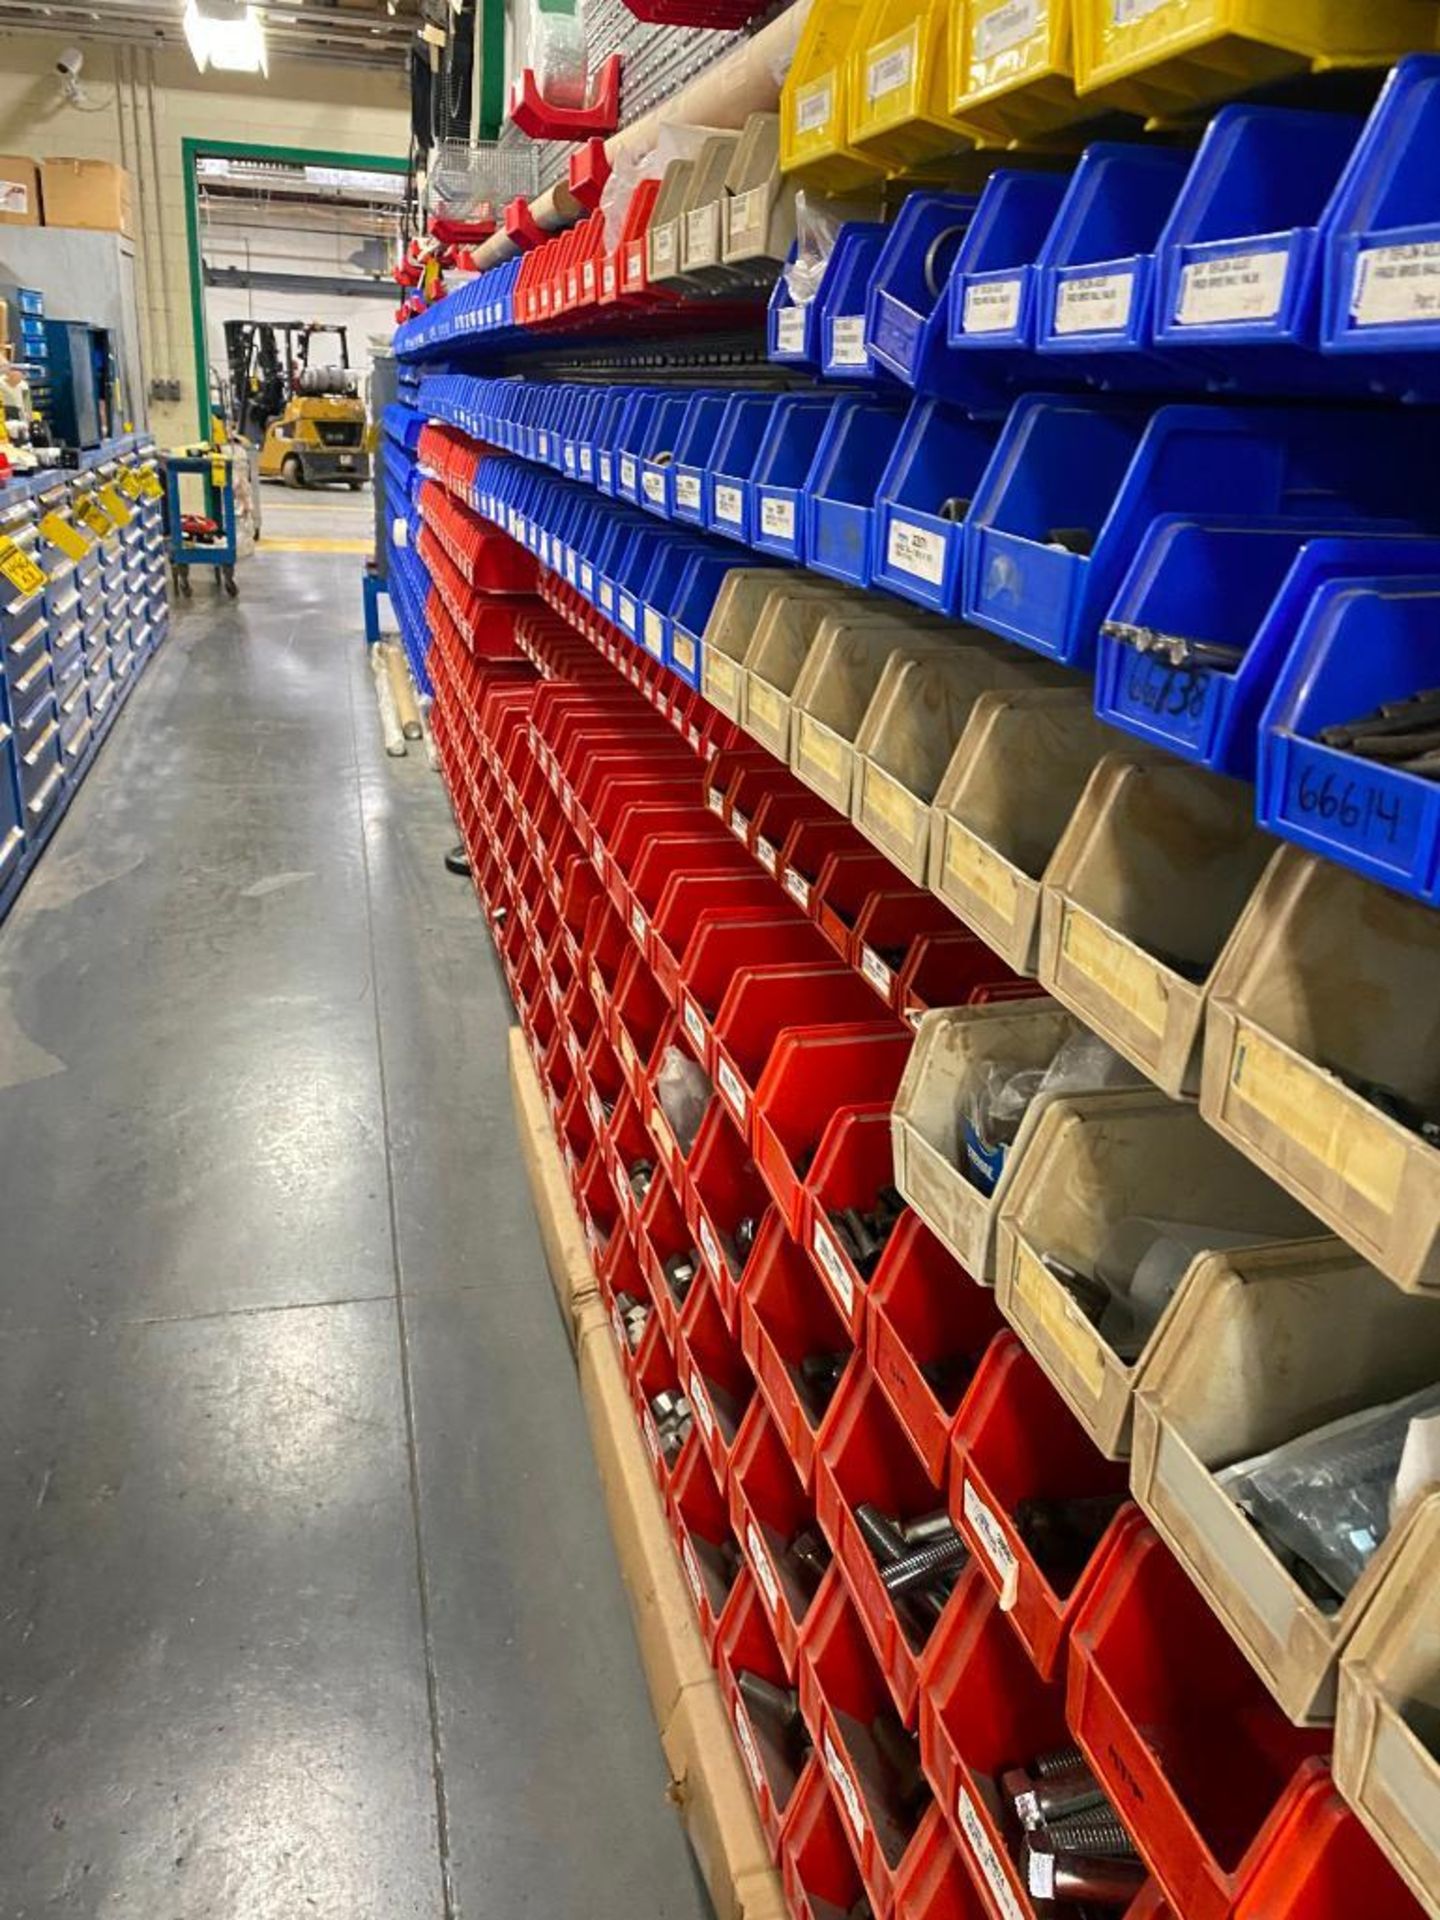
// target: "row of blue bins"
[[1223, 569], [1291, 251]]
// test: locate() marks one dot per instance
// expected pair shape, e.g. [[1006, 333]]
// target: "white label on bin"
[[654, 633], [587, 459], [1238, 286], [748, 1749], [1006, 27], [700, 1401], [733, 1089], [727, 504], [1126, 12], [1396, 284], [845, 1786], [652, 1438], [702, 234], [687, 490], [627, 470], [15, 198], [637, 921], [694, 1025], [747, 210], [790, 330], [876, 972], [991, 306], [760, 1561], [765, 853], [662, 244], [607, 469], [986, 1858], [587, 577], [627, 611], [833, 1267], [692, 1572], [777, 518], [654, 484], [847, 340], [1094, 303], [609, 280], [889, 72], [812, 108], [798, 888], [916, 551], [993, 1544], [710, 1250], [1040, 1875]]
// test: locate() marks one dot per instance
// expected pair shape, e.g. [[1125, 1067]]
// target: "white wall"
[[302, 104]]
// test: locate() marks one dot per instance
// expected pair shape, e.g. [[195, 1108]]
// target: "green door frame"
[[193, 149]]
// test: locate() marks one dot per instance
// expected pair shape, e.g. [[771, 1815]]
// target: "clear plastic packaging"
[[1329, 1497], [999, 1096], [817, 227], [684, 1093], [552, 43]]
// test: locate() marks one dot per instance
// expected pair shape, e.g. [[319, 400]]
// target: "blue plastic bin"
[[1361, 642], [909, 280], [610, 550], [992, 295], [1240, 261], [632, 567], [695, 597], [659, 451], [1098, 261], [1242, 583], [693, 445], [939, 458], [791, 331], [786, 456], [660, 589], [840, 488], [727, 491], [840, 304], [630, 435], [1072, 475], [1382, 229]]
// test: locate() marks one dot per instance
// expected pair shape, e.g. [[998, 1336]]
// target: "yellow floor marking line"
[[270, 545]]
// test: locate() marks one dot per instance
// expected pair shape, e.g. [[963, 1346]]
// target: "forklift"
[[308, 420]]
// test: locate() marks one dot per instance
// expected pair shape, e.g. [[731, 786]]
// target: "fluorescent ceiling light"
[[227, 35]]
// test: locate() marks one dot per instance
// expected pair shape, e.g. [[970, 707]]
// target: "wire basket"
[[477, 182]]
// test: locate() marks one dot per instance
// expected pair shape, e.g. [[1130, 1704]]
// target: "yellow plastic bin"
[[899, 85], [815, 102], [1012, 70], [1165, 57]]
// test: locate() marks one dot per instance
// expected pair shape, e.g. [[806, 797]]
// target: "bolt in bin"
[[1180, 1732], [900, 113], [1163, 58], [836, 685], [1240, 260], [953, 1046], [865, 1457], [661, 1236], [653, 1371], [1308, 1087], [627, 1143], [782, 460], [923, 498], [935, 1883], [620, 1272], [815, 104], [1385, 1765], [841, 300], [1315, 1334], [1074, 486], [983, 1710], [786, 1315], [993, 290], [907, 295], [725, 1200], [1240, 583], [773, 1755], [886, 929], [1361, 642], [1006, 798], [817, 1868], [851, 1166], [1016, 1450], [759, 1004], [717, 1381], [1099, 1171], [709, 1557], [1143, 890], [839, 495], [727, 499], [842, 1695], [769, 1509], [1096, 269], [721, 944], [927, 1326]]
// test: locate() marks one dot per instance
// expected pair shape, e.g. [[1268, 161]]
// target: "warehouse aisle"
[[307, 1600]]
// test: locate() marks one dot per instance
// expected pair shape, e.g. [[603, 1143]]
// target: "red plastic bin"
[[852, 1163], [768, 1507], [709, 1557], [1321, 1864], [718, 1383], [817, 1868], [786, 1314], [662, 1233], [718, 948], [927, 1325], [689, 900], [627, 1142], [935, 1883], [1016, 1440], [1179, 1728], [843, 886], [722, 1189], [891, 922], [638, 1012], [760, 1004], [654, 1372], [745, 1644], [807, 847]]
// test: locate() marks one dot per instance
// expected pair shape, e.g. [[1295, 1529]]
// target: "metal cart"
[[217, 473]]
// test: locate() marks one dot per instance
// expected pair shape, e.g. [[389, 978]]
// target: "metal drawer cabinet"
[[12, 829], [42, 775]]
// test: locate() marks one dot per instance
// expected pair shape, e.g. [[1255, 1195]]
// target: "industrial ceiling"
[[365, 33]]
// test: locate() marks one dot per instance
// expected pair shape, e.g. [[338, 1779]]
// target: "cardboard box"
[[19, 191], [561, 1234], [97, 195]]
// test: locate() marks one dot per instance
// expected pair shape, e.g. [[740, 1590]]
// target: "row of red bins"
[[1231, 1806]]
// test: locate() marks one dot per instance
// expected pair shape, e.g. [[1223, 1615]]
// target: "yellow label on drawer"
[[887, 801], [115, 505], [766, 706], [1125, 975], [1056, 1315], [1335, 1126], [68, 538], [20, 570], [977, 869]]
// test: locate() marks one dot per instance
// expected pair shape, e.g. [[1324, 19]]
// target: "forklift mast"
[[270, 364]]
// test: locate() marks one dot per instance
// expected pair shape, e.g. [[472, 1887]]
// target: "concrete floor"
[[307, 1600]]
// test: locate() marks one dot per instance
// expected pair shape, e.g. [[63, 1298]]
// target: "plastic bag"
[[629, 167], [552, 42], [999, 1096], [817, 227], [684, 1093], [1327, 1496]]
